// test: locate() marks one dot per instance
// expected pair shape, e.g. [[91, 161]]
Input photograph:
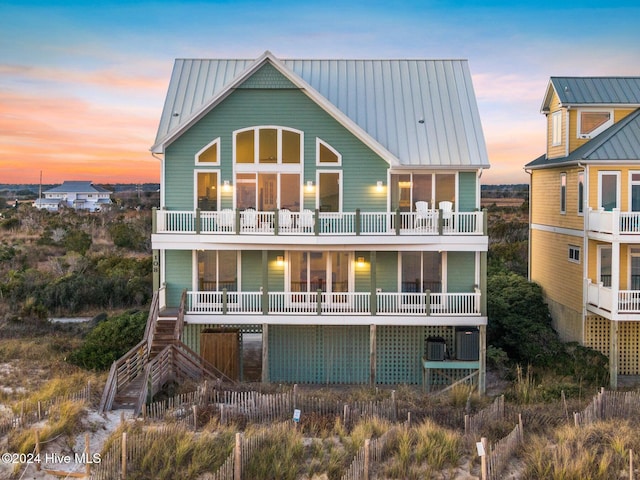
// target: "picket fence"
[[33, 412]]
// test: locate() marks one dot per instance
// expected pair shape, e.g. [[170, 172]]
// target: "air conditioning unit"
[[467, 343], [435, 349]]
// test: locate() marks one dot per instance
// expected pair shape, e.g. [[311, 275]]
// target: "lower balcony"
[[621, 305], [334, 308]]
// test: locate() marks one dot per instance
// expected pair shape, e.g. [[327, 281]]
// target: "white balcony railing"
[[623, 302], [337, 303], [309, 222], [614, 222]]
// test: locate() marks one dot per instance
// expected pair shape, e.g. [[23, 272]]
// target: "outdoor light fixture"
[[226, 187], [379, 185], [360, 261], [280, 259], [309, 187]]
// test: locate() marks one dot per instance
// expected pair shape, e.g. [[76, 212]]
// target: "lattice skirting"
[[597, 335]]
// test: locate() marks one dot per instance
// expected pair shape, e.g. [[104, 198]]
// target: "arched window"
[[268, 145]]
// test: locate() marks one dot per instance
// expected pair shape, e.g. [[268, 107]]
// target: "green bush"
[[109, 340], [77, 241], [127, 236], [519, 321]]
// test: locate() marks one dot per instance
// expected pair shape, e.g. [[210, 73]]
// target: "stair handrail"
[[203, 365], [179, 327], [139, 354]]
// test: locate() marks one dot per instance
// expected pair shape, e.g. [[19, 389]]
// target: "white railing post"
[[615, 221]]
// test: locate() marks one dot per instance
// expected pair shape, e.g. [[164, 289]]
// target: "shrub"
[[77, 241], [109, 340]]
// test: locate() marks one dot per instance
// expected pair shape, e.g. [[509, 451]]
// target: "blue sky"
[[82, 86]]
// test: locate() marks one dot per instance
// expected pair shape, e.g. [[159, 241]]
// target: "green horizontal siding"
[[387, 271], [178, 274], [251, 270], [461, 269], [467, 184]]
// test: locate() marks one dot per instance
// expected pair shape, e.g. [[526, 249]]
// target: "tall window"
[[217, 270], [635, 191], [580, 192], [604, 273], [556, 128], [329, 191], [313, 271], [563, 193], [207, 190], [268, 168], [608, 192], [421, 271]]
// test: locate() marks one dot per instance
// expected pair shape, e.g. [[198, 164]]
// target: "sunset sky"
[[82, 86]]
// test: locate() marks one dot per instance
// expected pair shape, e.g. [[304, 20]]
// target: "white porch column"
[[615, 277]]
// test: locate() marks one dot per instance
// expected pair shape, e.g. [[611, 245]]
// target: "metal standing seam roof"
[[620, 142], [595, 91], [423, 112], [76, 186]]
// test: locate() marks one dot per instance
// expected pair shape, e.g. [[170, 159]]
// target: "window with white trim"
[[563, 193], [326, 154], [556, 128], [581, 193], [210, 154], [593, 122], [574, 254], [329, 191], [268, 145]]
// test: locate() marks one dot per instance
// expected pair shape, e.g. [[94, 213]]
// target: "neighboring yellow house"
[[585, 216]]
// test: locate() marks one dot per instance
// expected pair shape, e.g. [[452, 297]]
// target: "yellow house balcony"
[[314, 222], [614, 222], [621, 305]]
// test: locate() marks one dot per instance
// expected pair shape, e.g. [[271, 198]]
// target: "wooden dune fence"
[[473, 424], [373, 451], [256, 407], [33, 412], [497, 456], [608, 405]]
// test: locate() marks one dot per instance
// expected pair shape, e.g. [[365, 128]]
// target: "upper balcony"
[[317, 223], [614, 222]]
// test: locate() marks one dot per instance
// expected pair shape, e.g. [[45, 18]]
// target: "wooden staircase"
[[158, 358]]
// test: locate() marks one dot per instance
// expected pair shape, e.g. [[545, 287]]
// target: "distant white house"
[[80, 195]]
